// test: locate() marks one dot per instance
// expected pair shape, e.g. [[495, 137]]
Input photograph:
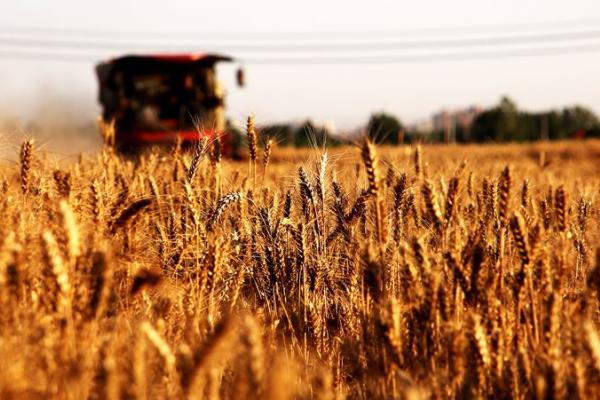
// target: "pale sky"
[[344, 94]]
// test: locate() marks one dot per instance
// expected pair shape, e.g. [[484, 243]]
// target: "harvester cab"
[[156, 99]]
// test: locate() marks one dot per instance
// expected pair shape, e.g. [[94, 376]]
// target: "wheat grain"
[[222, 281], [26, 157]]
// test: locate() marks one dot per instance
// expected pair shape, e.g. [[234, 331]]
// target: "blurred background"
[[465, 70]]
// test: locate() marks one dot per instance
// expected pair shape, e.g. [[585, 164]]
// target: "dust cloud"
[[61, 124]]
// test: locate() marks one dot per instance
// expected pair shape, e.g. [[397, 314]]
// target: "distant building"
[[441, 120], [447, 122], [466, 117], [422, 126]]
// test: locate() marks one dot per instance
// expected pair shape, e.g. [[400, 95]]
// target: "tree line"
[[503, 122]]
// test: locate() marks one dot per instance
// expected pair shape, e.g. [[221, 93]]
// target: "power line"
[[427, 58], [275, 35], [346, 60], [47, 56], [316, 47]]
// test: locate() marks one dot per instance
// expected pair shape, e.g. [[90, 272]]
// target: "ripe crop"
[[353, 272]]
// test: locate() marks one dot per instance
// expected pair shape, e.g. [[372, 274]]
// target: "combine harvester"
[[158, 98]]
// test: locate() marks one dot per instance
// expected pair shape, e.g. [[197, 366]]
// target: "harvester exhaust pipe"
[[241, 77]]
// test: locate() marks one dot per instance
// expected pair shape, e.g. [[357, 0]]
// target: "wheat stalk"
[[25, 157], [252, 146]]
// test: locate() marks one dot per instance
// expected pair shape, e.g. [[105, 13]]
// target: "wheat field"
[[412, 272]]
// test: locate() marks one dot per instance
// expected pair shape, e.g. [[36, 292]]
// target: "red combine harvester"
[[157, 98]]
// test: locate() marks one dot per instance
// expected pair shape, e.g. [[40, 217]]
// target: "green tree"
[[508, 128], [384, 128], [282, 133], [578, 118], [505, 122], [309, 134], [500, 123]]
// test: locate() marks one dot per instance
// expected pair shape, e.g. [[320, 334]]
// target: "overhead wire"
[[319, 34], [432, 57], [313, 47], [505, 45], [337, 60]]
